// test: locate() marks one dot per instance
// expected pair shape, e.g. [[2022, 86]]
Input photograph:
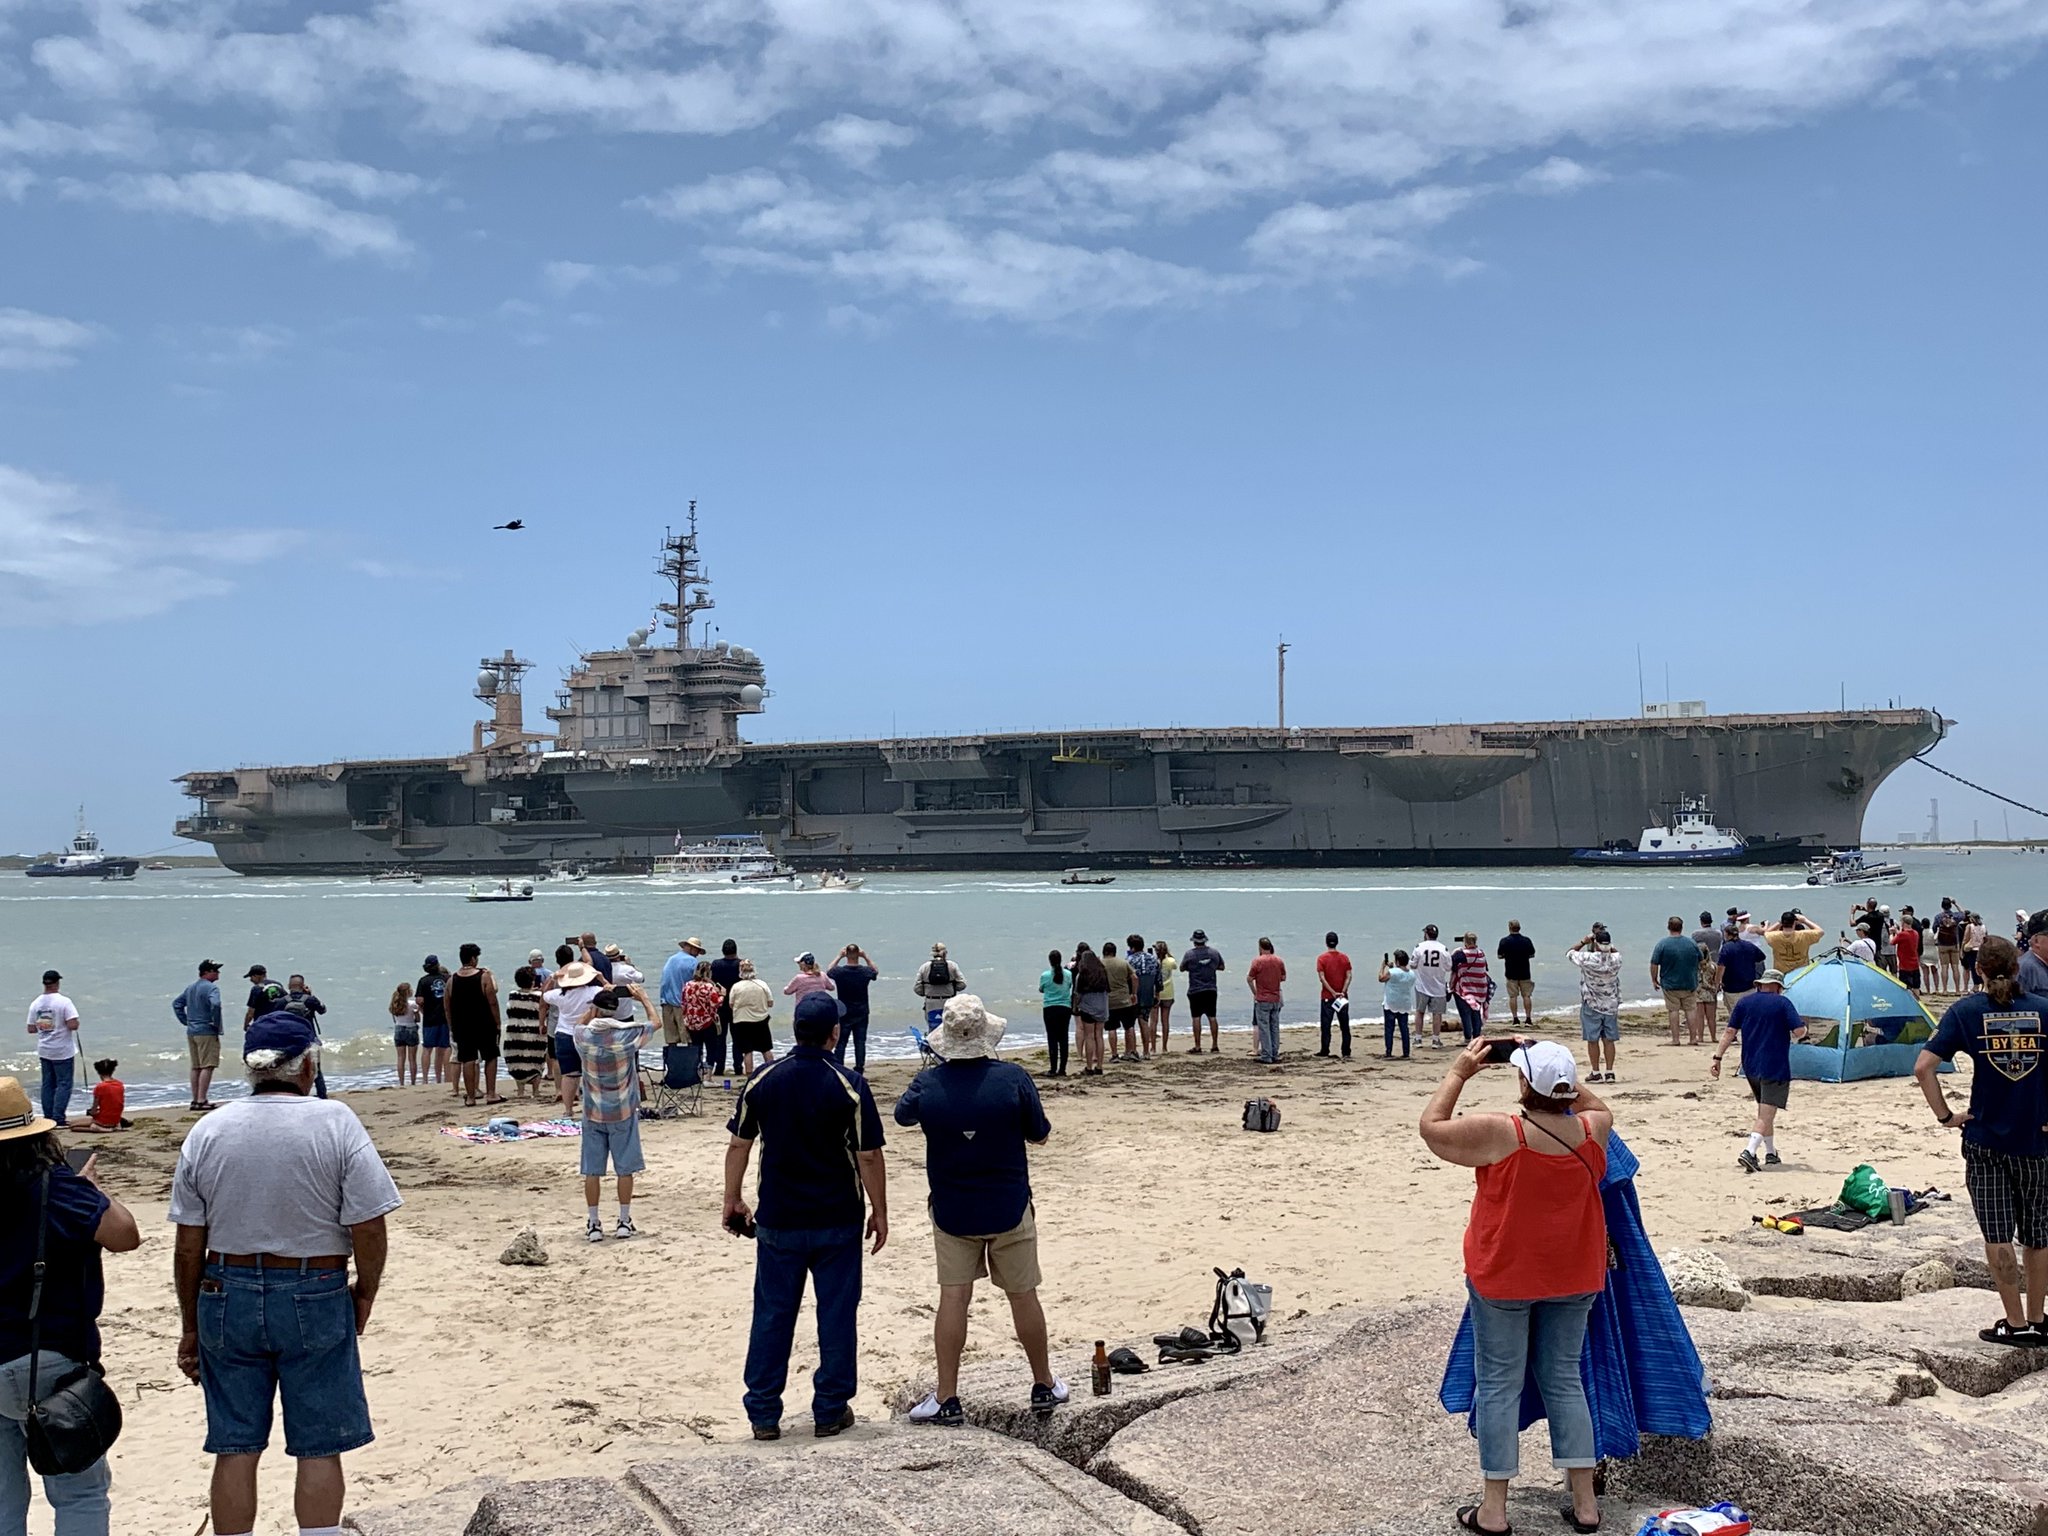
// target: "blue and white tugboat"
[[85, 859], [1689, 836]]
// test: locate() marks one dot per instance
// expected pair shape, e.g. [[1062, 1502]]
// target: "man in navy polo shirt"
[[977, 1113], [851, 975], [823, 1148], [2004, 1031]]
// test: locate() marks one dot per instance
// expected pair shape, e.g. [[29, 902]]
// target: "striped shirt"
[[611, 1070]]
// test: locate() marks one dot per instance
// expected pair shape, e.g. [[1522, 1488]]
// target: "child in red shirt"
[[109, 1099]]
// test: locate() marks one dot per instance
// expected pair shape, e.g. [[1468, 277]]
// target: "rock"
[[1701, 1278], [561, 1506], [524, 1249], [445, 1513], [996, 1393], [888, 1478], [1868, 1265], [1927, 1275]]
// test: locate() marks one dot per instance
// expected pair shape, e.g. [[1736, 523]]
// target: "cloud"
[[859, 141], [232, 346], [28, 137], [29, 341], [364, 183], [1559, 174], [1373, 237], [238, 197], [566, 277], [72, 555]]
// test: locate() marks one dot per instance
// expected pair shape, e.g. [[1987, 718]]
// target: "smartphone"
[[740, 1226], [1502, 1051], [78, 1157], [1385, 958]]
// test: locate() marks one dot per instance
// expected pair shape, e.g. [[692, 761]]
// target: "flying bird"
[[512, 527]]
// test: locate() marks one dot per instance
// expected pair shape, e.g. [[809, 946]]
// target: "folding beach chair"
[[676, 1087], [926, 1052]]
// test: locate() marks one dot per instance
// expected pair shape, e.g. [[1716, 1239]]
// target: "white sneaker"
[[593, 1230], [927, 1411], [625, 1229]]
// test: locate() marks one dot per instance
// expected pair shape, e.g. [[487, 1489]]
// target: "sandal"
[[1468, 1517], [1570, 1517], [494, 1101]]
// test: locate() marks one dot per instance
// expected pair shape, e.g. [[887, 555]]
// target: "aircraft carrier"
[[646, 751]]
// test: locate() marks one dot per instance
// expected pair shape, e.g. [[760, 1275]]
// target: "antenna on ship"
[[1284, 649], [682, 566]]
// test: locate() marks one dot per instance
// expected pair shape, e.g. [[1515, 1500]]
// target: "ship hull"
[[1439, 796], [99, 869]]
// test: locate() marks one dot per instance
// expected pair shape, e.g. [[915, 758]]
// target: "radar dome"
[[487, 682], [637, 639], [752, 694]]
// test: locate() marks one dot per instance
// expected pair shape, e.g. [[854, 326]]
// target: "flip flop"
[[1468, 1517], [1125, 1362], [494, 1101], [1570, 1517]]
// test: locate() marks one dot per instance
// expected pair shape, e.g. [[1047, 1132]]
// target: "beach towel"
[[526, 1130], [1642, 1374]]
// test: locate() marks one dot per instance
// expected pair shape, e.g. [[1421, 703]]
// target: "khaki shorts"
[[1682, 1001], [1522, 989], [1010, 1258], [205, 1051], [671, 1024]]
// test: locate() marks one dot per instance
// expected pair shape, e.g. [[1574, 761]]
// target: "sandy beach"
[[611, 1350]]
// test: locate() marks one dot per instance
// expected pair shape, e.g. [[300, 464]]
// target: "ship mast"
[[683, 567]]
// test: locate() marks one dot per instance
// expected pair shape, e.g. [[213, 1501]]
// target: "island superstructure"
[[646, 749]]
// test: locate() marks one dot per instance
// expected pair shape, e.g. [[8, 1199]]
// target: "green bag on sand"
[[1864, 1191]]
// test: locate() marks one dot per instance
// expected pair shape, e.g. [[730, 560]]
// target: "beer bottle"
[[1101, 1369]]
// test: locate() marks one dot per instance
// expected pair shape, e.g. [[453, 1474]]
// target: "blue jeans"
[[853, 1028], [78, 1498], [57, 1089], [1508, 1338], [783, 1256], [1393, 1021], [1470, 1019], [1266, 1021], [1341, 1018], [285, 1334]]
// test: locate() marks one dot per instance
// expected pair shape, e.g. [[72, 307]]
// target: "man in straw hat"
[[82, 1221], [978, 1113], [272, 1196], [821, 1153]]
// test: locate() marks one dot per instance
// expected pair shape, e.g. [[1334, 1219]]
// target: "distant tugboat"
[[1690, 837], [86, 860]]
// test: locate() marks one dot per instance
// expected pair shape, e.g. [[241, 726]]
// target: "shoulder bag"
[[77, 1422]]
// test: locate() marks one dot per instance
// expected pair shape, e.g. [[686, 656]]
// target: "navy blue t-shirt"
[[73, 1288], [1198, 968], [812, 1116], [1516, 950], [977, 1115], [1765, 1021], [851, 982], [2008, 1082], [432, 993], [1741, 963]]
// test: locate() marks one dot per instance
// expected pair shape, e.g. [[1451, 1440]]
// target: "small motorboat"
[[1083, 877], [118, 874], [504, 890], [392, 876], [838, 880], [158, 864], [1847, 866]]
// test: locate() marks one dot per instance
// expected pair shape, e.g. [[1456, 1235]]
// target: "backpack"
[[1261, 1115], [1945, 931], [1238, 1316]]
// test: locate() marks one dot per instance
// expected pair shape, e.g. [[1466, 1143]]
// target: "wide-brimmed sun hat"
[[1771, 978], [968, 1029], [17, 1116], [577, 973]]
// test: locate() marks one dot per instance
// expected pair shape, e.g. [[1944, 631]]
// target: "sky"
[[1033, 363]]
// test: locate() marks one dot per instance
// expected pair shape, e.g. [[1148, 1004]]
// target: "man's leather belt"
[[276, 1261]]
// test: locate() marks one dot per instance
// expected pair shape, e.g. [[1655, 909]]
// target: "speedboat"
[[1688, 836], [387, 876], [838, 880], [504, 890], [1847, 866]]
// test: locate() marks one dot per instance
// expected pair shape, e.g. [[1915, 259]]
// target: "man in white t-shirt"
[[54, 1023], [1431, 963]]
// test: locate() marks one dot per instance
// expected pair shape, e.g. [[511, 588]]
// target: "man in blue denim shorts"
[[272, 1196], [608, 1049]]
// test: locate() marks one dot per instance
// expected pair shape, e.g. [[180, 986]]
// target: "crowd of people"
[[280, 1200]]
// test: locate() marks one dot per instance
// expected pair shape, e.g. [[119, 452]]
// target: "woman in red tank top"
[[1535, 1257]]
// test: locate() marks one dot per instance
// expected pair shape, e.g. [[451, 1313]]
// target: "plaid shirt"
[[611, 1071]]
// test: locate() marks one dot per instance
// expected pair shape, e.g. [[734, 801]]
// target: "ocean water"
[[127, 949]]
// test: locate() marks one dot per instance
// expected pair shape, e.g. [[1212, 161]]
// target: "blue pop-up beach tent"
[[1860, 1021]]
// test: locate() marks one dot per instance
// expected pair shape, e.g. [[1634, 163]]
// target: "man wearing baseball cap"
[[198, 1008], [53, 1025], [259, 995], [1767, 1022], [272, 1196]]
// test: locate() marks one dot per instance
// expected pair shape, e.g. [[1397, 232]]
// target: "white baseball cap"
[[1551, 1069]]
